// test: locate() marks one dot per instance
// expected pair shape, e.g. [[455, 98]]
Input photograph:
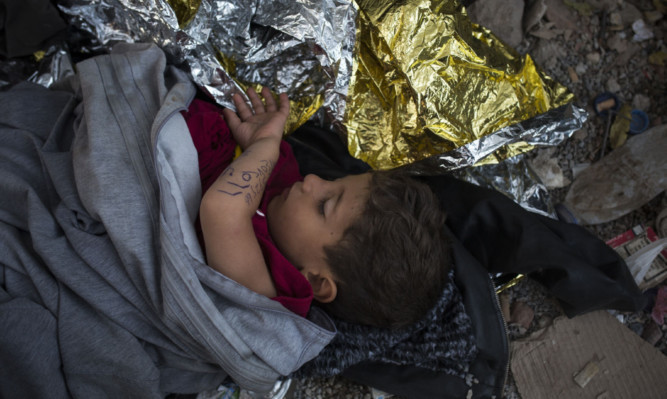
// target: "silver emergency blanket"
[[513, 176]]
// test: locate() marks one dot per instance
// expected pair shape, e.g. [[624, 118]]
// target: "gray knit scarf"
[[442, 341]]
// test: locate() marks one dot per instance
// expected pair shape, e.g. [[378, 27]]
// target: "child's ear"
[[324, 286]]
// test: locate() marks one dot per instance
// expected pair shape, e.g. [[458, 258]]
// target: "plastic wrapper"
[[54, 64], [400, 81]]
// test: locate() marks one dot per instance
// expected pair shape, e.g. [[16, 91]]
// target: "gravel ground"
[[590, 53]]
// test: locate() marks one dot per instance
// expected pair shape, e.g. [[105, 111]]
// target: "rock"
[[632, 50], [593, 58], [630, 14], [608, 5], [574, 78], [653, 16], [503, 18], [547, 31], [641, 101], [561, 15], [618, 42], [533, 14], [651, 332], [581, 134], [642, 31], [548, 53], [615, 19], [613, 86]]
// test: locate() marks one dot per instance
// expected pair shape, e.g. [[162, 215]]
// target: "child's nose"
[[310, 183]]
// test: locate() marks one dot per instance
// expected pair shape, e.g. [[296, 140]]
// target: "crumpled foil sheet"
[[511, 176], [429, 80], [300, 47], [400, 81], [54, 64]]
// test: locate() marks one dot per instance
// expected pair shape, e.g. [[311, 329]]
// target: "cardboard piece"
[[552, 362]]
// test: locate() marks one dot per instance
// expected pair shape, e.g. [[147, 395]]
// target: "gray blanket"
[[103, 287]]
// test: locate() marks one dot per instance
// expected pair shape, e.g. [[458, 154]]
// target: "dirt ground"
[[591, 47]]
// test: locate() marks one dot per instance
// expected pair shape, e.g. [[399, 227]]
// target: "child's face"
[[313, 214]]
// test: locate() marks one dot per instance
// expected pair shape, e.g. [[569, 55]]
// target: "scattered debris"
[[522, 314], [652, 332], [585, 375], [618, 133], [546, 166], [633, 241], [660, 308]]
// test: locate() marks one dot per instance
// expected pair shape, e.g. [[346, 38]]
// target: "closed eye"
[[320, 206]]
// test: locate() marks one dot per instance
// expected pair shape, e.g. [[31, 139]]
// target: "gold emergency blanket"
[[427, 80]]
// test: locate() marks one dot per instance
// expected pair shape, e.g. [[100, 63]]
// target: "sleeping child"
[[355, 245]]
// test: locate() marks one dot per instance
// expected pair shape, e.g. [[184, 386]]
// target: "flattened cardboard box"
[[594, 350]]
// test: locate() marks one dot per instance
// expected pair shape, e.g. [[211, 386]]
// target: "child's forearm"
[[239, 189], [228, 206]]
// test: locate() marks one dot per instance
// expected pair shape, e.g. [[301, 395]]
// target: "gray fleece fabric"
[[103, 288]]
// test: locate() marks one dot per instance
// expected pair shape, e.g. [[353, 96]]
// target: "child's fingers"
[[270, 103], [256, 102], [241, 107], [284, 104], [231, 118]]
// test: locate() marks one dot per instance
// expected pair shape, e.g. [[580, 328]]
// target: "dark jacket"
[[490, 234]]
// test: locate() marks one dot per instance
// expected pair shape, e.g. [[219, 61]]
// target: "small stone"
[[574, 78], [581, 134], [630, 14], [652, 333], [618, 42], [641, 101], [593, 57], [637, 328], [502, 17], [581, 68], [642, 31], [613, 86], [653, 16], [615, 18]]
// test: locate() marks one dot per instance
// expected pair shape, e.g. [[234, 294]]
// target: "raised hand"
[[267, 121]]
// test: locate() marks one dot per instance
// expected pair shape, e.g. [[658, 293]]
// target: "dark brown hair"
[[391, 265]]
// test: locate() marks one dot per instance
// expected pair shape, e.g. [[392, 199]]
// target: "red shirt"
[[215, 149]]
